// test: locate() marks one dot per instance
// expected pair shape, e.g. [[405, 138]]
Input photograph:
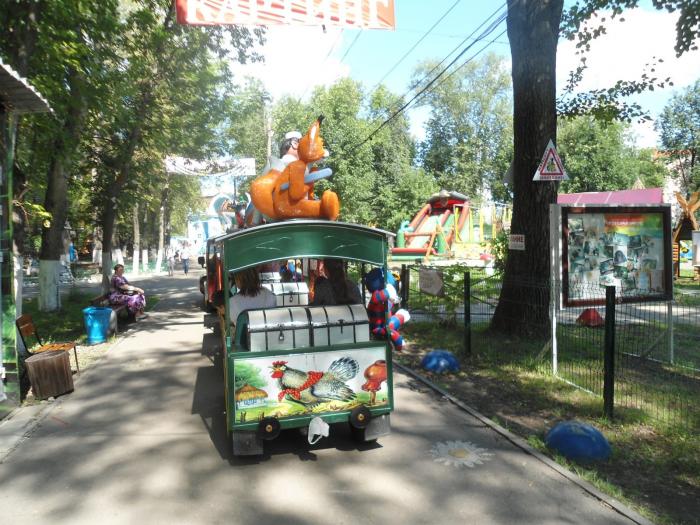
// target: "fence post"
[[467, 315], [669, 331], [609, 355], [405, 273], [553, 296]]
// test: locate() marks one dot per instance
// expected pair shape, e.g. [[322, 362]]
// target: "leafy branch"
[[578, 25]]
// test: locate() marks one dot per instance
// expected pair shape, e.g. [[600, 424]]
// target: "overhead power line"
[[332, 48], [455, 70], [470, 36], [359, 33], [414, 46], [490, 29]]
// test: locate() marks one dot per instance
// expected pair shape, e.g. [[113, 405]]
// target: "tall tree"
[[69, 42], [468, 145], [374, 179], [399, 188], [247, 121], [533, 31], [679, 126], [596, 155], [167, 77], [343, 131]]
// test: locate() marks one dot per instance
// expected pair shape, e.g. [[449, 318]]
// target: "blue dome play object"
[[440, 361], [578, 441]]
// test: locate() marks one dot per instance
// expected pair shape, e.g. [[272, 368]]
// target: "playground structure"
[[683, 231], [447, 227]]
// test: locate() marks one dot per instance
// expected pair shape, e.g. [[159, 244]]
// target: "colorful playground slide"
[[431, 232]]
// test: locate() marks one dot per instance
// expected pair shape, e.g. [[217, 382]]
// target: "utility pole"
[[268, 130]]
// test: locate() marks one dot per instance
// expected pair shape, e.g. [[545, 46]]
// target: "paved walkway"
[[142, 440]]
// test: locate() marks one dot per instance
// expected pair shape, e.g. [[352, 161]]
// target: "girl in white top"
[[250, 294]]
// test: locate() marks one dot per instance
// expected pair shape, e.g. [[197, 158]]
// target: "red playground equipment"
[[432, 230]]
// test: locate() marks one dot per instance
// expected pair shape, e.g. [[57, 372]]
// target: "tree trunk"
[[533, 30], [19, 188], [161, 235], [144, 251], [52, 237], [137, 241], [109, 214], [56, 200]]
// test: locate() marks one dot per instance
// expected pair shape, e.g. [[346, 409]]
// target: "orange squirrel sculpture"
[[285, 195]]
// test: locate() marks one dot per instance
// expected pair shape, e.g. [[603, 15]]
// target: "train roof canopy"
[[315, 239]]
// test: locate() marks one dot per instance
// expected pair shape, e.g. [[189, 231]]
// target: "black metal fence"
[[653, 348]]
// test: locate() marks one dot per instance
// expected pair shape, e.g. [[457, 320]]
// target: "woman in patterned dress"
[[124, 293]]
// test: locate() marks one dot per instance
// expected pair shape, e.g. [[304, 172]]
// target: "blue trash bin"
[[97, 323]]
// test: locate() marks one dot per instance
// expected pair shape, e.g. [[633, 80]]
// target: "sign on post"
[[551, 167], [431, 282], [516, 241], [350, 14]]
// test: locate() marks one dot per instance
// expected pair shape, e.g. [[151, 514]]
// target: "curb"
[[519, 442]]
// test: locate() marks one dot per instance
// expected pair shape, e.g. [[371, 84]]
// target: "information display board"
[[628, 247]]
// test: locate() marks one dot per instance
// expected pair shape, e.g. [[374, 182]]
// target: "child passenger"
[[335, 287]]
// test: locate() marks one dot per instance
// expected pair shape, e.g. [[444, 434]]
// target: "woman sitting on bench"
[[123, 293]]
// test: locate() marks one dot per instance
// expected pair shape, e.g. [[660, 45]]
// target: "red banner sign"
[[353, 14]]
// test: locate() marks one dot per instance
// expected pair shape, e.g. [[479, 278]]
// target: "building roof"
[[17, 95], [643, 196]]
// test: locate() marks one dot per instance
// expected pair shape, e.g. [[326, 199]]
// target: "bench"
[[120, 310]]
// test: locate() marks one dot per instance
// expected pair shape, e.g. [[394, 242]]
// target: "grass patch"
[[655, 466], [64, 325], [68, 323]]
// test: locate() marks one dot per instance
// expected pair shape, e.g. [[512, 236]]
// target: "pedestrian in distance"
[[170, 256], [185, 256]]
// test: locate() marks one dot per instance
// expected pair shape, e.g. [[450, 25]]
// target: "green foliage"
[[606, 103], [596, 155], [679, 127], [376, 181], [248, 374], [246, 126], [499, 250], [128, 87], [468, 145], [66, 325], [447, 305], [582, 11]]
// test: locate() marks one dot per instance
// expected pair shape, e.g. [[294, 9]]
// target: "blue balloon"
[[578, 441], [440, 361]]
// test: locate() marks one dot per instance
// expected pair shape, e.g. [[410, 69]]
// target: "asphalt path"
[[142, 440]]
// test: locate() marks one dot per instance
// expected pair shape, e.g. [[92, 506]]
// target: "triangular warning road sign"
[[551, 167]]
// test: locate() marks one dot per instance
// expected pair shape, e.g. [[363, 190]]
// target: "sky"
[[299, 58]]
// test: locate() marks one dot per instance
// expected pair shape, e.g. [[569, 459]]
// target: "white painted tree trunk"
[[161, 235], [49, 296], [18, 282], [144, 257], [118, 256], [106, 271], [137, 241]]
